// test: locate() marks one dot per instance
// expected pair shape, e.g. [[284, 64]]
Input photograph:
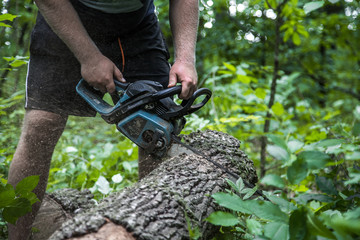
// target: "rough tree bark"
[[161, 205]]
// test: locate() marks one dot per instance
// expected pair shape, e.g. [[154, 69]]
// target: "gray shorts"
[[54, 72]]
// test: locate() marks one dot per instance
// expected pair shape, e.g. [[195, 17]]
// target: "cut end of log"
[[109, 231]]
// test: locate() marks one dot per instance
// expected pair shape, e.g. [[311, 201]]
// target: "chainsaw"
[[144, 111]]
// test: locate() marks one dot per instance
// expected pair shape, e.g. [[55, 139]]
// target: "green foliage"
[[314, 165], [102, 161], [6, 17], [15, 203], [303, 216]]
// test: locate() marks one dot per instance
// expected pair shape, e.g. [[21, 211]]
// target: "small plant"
[[16, 202]]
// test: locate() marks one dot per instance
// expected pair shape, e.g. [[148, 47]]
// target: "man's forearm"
[[96, 69], [184, 19], [65, 22]]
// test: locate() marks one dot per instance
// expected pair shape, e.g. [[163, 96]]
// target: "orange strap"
[[122, 55]]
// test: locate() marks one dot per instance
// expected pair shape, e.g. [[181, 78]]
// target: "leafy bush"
[[312, 160]]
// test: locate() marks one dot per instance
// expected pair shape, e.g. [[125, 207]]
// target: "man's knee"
[[40, 124]]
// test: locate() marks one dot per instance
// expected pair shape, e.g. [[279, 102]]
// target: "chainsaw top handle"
[[188, 106]]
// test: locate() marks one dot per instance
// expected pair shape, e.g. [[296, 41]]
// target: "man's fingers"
[[188, 89], [118, 75], [172, 79], [101, 74], [110, 88]]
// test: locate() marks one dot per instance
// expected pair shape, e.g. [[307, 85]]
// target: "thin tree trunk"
[[278, 23]]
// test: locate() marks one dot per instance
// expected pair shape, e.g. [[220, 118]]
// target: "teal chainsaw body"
[[144, 112]]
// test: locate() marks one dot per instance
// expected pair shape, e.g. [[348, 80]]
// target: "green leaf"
[[278, 141], [304, 198], [81, 178], [117, 178], [301, 30], [317, 227], [18, 63], [354, 176], [277, 230], [285, 205], [7, 17], [249, 192], [297, 171], [296, 39], [231, 67], [254, 226], [27, 184], [5, 25], [314, 159], [237, 186], [326, 185], [233, 185], [129, 166], [222, 219], [232, 202], [260, 93], [7, 195], [240, 71], [311, 6], [102, 185], [277, 109], [329, 142], [353, 214], [295, 145], [273, 180], [243, 79], [268, 211], [353, 156], [356, 129], [297, 224], [240, 184], [346, 226], [18, 208], [278, 152], [30, 196]]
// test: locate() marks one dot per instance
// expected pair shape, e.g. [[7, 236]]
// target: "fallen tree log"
[[165, 203]]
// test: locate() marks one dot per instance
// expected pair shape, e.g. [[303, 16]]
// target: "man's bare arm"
[[96, 69], [184, 18]]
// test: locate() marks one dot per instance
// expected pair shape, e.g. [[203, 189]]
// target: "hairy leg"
[[41, 131]]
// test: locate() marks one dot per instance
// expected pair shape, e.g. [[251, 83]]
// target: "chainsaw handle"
[[120, 85], [94, 97], [188, 106], [168, 92]]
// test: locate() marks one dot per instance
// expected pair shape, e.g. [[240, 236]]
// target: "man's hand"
[[100, 73], [184, 73]]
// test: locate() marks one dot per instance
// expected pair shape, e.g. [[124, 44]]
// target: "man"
[[99, 40]]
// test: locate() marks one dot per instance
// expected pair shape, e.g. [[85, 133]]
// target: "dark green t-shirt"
[[116, 6]]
